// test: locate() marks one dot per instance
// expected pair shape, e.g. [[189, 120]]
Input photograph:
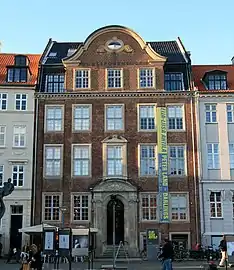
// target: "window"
[[51, 207], [177, 160], [175, 117], [82, 117], [17, 75], [53, 161], [19, 136], [21, 102], [55, 83], [82, 79], [149, 207], [213, 156], [20, 60], [81, 160], [114, 78], [54, 118], [3, 101], [216, 205], [114, 160], [2, 136], [217, 82], [230, 113], [231, 155], [147, 160], [17, 209], [147, 117], [173, 81], [1, 175], [114, 117], [146, 78], [81, 207], [211, 114], [18, 175], [179, 207]]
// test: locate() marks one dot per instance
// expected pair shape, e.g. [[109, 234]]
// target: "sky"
[[206, 27]]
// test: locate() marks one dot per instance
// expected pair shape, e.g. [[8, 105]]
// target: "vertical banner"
[[162, 164]]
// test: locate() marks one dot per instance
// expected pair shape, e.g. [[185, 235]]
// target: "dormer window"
[[217, 82], [21, 60], [173, 81], [17, 75]]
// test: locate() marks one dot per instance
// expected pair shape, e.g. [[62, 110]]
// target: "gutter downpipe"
[[194, 163]]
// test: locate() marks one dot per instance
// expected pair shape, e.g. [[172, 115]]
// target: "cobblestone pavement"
[[141, 265]]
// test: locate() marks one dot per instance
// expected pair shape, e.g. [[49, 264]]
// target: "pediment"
[[108, 40], [115, 185], [114, 139]]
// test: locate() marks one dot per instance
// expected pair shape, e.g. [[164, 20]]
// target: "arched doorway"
[[119, 222]]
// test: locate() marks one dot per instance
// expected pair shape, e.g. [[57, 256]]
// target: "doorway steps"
[[108, 253]]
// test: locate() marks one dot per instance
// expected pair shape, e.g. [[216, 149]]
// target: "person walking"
[[223, 248], [167, 255]]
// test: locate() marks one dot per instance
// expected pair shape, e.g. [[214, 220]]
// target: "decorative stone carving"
[[115, 185], [6, 190]]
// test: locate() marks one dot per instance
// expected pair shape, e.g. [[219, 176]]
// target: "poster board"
[[49, 235], [80, 245], [152, 241], [230, 248], [64, 238]]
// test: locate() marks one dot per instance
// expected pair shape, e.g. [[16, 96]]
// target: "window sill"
[[213, 123], [177, 176], [149, 221], [82, 88], [176, 130], [146, 88], [53, 131], [74, 177], [82, 131], [180, 220], [53, 177], [114, 130], [50, 221], [114, 88], [147, 130], [216, 218], [77, 222], [3, 147], [213, 169], [19, 147]]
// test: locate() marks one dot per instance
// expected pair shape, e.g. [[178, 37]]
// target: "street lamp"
[[63, 209]]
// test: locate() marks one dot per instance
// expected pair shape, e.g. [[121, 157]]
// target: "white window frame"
[[179, 208], [73, 208], [210, 112], [81, 160], [213, 155], [18, 172], [21, 100], [174, 106], [53, 146], [114, 77], [216, 203], [107, 118], [4, 135], [177, 161], [153, 170], [44, 194], [1, 175], [231, 155], [82, 118], [3, 99], [114, 141], [54, 119], [148, 196], [230, 111], [141, 105], [85, 77], [146, 77], [19, 135]]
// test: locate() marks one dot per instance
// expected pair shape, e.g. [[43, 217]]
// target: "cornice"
[[105, 95], [216, 95]]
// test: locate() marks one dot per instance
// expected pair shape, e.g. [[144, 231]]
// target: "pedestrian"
[[167, 255], [35, 258], [223, 248]]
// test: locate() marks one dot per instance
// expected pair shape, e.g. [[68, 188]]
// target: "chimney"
[[232, 60]]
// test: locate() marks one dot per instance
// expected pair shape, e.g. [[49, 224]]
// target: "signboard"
[[162, 164], [152, 241], [64, 241], [80, 245], [49, 235]]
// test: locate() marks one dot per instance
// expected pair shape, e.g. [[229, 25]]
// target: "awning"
[[35, 229]]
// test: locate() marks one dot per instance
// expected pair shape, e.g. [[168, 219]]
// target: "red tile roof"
[[7, 59], [200, 70]]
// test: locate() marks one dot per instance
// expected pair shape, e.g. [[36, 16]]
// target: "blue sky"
[[205, 26]]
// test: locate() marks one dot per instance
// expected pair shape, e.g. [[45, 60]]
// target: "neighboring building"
[[215, 118], [18, 75], [96, 135]]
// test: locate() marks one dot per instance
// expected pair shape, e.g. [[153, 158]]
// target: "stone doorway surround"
[[127, 193]]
